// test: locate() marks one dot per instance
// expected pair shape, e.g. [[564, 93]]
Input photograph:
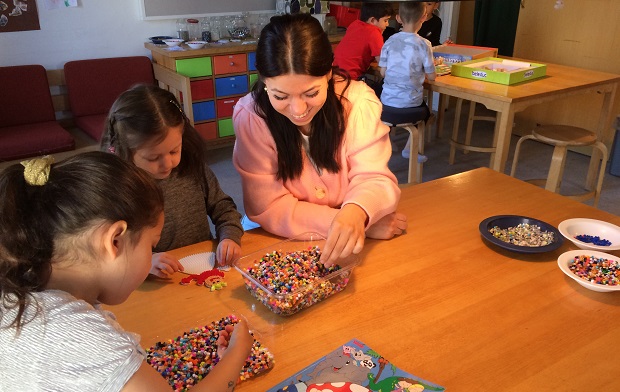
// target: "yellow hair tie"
[[37, 171]]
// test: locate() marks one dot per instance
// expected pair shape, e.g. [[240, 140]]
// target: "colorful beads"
[[596, 269], [188, 358], [289, 282], [523, 234], [595, 240]]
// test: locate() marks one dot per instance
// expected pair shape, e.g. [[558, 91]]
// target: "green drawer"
[[200, 66], [253, 79], [225, 128]]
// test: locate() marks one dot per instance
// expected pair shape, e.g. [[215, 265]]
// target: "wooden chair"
[[28, 125], [562, 137]]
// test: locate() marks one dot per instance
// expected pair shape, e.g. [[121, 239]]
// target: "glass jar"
[[216, 26], [182, 32], [238, 29], [205, 29], [193, 30], [280, 7]]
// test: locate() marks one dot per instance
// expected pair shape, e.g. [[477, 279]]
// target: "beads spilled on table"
[[595, 240], [523, 234], [293, 281], [597, 270], [188, 358]]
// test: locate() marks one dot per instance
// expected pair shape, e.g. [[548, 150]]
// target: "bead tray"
[[289, 297]]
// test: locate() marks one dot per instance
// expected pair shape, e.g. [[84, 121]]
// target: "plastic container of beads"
[[287, 277]]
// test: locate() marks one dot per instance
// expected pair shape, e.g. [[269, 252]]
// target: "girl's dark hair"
[[142, 116], [38, 221], [297, 44]]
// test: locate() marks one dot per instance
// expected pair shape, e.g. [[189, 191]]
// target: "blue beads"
[[595, 240]]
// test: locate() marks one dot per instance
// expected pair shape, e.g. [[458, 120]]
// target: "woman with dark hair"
[[311, 149]]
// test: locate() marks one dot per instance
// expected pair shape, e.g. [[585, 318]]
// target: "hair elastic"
[[37, 171]]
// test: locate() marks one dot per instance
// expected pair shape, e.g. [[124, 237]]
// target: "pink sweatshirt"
[[310, 202]]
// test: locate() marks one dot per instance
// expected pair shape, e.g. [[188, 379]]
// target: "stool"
[[562, 137], [414, 121], [466, 147], [416, 133]]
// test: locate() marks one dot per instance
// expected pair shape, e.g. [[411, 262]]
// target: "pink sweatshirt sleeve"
[[372, 185]]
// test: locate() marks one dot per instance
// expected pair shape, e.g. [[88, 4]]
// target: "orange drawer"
[[202, 89], [207, 130], [232, 63], [225, 106]]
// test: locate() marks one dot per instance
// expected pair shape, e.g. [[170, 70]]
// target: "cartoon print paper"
[[354, 367]]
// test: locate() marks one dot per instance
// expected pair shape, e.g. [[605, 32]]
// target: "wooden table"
[[560, 81], [439, 302]]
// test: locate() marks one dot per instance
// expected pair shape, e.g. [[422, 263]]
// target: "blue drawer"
[[204, 111], [252, 61], [231, 85]]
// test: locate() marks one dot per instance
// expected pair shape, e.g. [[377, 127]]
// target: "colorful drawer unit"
[[195, 67], [204, 111], [253, 79], [501, 71], [252, 61], [225, 127], [207, 130], [230, 63], [226, 106], [231, 85], [202, 89]]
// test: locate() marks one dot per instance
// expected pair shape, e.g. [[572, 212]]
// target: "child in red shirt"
[[363, 40]]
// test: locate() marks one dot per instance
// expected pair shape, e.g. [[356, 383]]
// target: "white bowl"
[[571, 228], [173, 41], [566, 259], [196, 44]]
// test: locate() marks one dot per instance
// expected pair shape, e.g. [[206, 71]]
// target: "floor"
[[533, 163]]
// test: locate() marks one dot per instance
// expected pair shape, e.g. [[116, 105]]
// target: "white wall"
[[94, 29]]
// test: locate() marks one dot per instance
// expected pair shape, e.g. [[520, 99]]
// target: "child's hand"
[[235, 337], [227, 252], [163, 265]]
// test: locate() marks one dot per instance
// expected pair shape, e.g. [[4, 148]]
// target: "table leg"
[[604, 134], [441, 111], [505, 119]]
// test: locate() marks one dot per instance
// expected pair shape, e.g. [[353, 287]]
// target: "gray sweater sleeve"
[[221, 209]]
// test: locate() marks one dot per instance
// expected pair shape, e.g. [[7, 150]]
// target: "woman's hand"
[[387, 227], [346, 234], [163, 265], [227, 252]]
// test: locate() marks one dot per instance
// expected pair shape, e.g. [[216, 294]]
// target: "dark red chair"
[[93, 85], [28, 125]]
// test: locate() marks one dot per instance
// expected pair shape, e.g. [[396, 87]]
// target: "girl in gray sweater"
[[147, 126]]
